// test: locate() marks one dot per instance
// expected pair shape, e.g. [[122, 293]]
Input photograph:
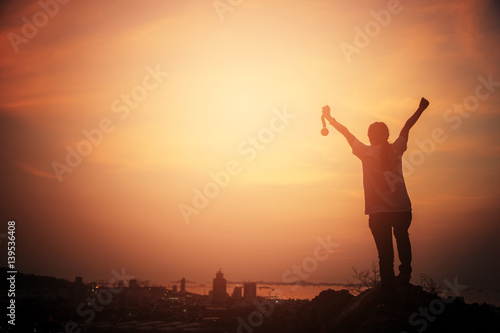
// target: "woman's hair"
[[378, 133]]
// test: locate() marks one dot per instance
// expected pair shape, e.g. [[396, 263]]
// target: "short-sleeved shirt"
[[385, 190]]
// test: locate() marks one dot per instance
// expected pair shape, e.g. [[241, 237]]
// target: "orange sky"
[[171, 91]]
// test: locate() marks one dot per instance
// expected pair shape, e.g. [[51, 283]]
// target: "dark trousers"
[[382, 225]]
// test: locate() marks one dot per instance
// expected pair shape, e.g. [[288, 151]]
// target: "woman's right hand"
[[326, 112]]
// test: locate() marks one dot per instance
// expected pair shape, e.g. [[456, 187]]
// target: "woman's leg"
[[401, 224], [380, 226]]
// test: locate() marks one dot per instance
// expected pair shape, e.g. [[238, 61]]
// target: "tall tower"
[[133, 283], [250, 290], [183, 285], [219, 287], [237, 295], [77, 290]]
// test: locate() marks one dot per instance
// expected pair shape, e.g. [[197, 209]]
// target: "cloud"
[[34, 171]]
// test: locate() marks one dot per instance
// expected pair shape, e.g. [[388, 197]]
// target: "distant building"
[[133, 283], [183, 285], [237, 293], [77, 290], [250, 290], [219, 287], [174, 288]]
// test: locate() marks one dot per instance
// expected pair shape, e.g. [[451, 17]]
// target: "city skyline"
[[175, 138]]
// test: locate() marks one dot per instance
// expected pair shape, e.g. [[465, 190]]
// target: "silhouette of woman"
[[386, 199]]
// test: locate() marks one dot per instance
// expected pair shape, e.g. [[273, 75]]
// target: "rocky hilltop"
[[417, 311]]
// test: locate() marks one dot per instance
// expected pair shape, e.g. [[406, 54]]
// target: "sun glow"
[[146, 107]]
